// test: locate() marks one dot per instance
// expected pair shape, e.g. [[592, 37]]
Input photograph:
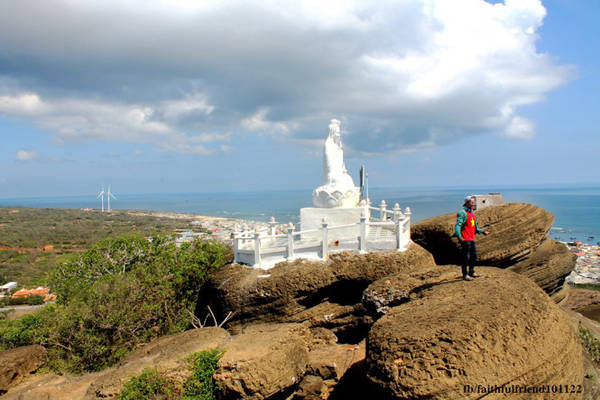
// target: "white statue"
[[338, 189]]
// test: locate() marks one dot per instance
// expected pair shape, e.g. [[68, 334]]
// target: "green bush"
[[151, 384], [120, 293], [201, 385], [35, 300], [590, 343], [17, 301], [29, 329]]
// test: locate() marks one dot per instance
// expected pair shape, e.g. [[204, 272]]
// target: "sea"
[[576, 208]]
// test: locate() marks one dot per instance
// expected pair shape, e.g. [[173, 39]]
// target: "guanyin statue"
[[338, 188]]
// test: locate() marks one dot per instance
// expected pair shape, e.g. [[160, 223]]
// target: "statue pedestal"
[[312, 218]]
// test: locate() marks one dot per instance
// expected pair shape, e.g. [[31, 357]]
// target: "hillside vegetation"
[[120, 293], [33, 240]]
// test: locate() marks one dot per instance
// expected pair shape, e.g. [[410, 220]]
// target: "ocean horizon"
[[576, 208]]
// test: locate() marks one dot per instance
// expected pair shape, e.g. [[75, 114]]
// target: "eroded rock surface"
[[264, 360], [548, 266], [398, 288], [298, 291], [16, 364], [498, 329]]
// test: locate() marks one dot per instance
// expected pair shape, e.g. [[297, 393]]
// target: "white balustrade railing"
[[264, 248]]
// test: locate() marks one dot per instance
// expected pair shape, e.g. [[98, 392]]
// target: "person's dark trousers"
[[469, 257]]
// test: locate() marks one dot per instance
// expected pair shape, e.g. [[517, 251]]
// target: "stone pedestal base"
[[311, 218]]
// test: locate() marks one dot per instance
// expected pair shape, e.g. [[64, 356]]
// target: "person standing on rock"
[[465, 229]]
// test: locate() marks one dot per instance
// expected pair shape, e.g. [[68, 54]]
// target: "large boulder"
[[500, 329], [516, 230], [548, 266], [15, 364], [287, 292], [263, 361]]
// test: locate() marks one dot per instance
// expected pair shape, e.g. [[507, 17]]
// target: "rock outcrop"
[[518, 240], [548, 266], [499, 329], [376, 325], [516, 230], [16, 364], [324, 294], [263, 360]]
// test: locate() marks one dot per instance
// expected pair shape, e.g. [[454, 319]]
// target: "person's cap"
[[467, 199]]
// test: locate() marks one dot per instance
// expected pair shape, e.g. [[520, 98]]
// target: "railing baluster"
[[362, 239], [324, 243], [257, 260], [290, 242]]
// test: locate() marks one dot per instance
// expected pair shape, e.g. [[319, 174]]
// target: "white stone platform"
[[311, 218]]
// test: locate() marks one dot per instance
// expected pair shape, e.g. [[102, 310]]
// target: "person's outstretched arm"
[[480, 231]]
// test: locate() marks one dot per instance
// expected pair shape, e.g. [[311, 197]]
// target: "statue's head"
[[334, 128]]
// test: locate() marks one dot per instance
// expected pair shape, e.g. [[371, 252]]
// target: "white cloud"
[[185, 76], [520, 128], [259, 123], [226, 148], [26, 155], [72, 120]]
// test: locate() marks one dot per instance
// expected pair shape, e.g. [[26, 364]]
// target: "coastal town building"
[[488, 200], [39, 291], [7, 288], [587, 266]]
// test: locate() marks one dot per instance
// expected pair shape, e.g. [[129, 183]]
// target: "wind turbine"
[[108, 196], [101, 197]]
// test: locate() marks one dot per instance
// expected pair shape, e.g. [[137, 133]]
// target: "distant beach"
[[576, 208]]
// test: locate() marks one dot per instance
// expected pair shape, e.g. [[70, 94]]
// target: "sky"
[[160, 96]]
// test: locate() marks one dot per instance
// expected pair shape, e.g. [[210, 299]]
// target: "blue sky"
[[180, 98]]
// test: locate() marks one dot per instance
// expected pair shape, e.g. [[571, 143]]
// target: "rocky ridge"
[[379, 325]]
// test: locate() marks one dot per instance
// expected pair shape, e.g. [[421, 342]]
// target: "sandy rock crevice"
[[263, 360]]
